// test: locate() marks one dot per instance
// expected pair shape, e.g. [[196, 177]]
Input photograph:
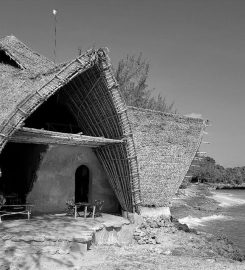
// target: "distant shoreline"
[[230, 187], [198, 203], [195, 200], [223, 186]]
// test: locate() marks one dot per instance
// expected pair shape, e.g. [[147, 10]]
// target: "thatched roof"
[[166, 145], [93, 97], [24, 56], [160, 148]]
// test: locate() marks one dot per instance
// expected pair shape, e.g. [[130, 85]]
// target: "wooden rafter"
[[40, 136]]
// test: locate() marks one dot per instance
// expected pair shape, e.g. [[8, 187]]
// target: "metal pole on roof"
[[55, 22]]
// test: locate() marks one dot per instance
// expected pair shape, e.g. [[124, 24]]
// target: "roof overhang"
[[40, 136]]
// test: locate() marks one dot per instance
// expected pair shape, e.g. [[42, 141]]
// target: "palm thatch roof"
[[166, 145], [157, 149], [24, 56], [92, 95]]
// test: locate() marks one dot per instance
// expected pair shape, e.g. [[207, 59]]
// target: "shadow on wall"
[[48, 176], [19, 164], [56, 180]]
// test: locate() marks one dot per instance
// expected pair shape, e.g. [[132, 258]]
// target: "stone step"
[[83, 237], [50, 247], [50, 244]]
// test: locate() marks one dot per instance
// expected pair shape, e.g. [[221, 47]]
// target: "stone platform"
[[62, 234]]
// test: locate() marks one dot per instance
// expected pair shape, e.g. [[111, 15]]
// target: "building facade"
[[65, 131]]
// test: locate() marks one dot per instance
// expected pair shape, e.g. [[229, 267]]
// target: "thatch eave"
[[24, 57], [166, 145]]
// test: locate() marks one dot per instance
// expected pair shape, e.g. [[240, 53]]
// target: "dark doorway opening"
[[82, 184]]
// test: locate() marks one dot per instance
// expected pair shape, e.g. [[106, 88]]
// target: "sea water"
[[230, 221]]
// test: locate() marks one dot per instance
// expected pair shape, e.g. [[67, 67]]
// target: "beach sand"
[[178, 248], [147, 257]]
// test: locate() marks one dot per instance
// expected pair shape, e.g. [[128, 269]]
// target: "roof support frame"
[[40, 136]]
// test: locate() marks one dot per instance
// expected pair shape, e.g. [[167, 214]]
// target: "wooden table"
[[85, 205]]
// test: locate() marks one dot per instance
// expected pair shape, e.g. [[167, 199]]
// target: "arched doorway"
[[82, 184]]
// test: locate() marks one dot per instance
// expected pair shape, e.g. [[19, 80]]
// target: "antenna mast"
[[55, 22]]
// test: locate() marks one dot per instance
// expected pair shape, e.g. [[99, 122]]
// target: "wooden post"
[[75, 211], [93, 211], [85, 211]]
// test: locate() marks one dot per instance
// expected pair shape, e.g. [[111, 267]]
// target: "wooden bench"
[[86, 206], [15, 209], [89, 209]]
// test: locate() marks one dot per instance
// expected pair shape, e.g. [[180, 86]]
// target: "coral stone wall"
[[165, 145], [55, 182]]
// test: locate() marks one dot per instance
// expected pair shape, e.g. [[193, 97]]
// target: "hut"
[[66, 132]]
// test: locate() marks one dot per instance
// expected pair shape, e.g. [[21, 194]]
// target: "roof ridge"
[[165, 113]]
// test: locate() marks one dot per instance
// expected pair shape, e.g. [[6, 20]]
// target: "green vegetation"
[[132, 74], [210, 172]]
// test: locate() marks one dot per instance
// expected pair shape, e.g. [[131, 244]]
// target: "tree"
[[132, 74], [210, 172]]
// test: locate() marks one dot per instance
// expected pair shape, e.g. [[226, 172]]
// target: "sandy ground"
[[177, 249], [150, 257], [120, 258]]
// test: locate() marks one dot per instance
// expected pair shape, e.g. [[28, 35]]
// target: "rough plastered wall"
[[55, 182], [165, 146]]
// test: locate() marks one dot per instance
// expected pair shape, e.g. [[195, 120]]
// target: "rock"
[[167, 252], [4, 266], [141, 242], [159, 251], [51, 250], [210, 260]]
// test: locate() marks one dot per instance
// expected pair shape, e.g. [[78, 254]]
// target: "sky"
[[196, 50]]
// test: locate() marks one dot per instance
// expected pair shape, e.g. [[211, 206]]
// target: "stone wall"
[[55, 181], [165, 146]]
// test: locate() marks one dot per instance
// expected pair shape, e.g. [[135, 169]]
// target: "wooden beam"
[[201, 153], [40, 136]]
